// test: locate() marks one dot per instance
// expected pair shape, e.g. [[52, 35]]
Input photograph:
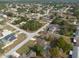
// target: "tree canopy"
[[38, 49], [31, 25]]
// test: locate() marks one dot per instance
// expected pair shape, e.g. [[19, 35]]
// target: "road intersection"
[[29, 36]]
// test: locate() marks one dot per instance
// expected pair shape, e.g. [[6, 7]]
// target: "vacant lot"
[[9, 28]]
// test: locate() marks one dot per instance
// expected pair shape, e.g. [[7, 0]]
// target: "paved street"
[[18, 29]]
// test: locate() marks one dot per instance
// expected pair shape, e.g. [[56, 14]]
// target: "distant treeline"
[[39, 1]]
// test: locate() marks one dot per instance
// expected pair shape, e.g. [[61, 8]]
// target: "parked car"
[[73, 40]]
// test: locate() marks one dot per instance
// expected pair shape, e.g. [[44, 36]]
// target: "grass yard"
[[25, 48]]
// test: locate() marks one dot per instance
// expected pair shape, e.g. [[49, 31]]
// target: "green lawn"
[[25, 48]]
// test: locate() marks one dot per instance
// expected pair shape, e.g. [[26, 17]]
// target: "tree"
[[48, 38], [1, 50], [55, 52], [61, 43], [67, 29], [17, 22], [38, 49], [58, 21], [67, 48], [31, 25], [60, 46], [76, 12], [20, 19]]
